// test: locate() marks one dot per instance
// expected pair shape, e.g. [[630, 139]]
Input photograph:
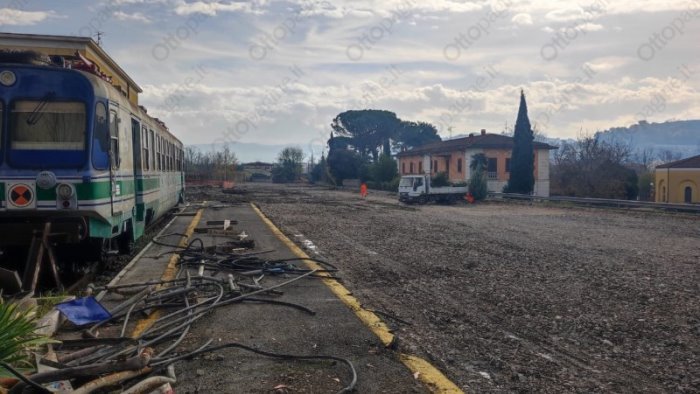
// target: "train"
[[75, 152]]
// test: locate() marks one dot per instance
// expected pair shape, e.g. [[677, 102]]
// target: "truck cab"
[[413, 188]]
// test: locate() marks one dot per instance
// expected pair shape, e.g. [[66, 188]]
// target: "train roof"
[[94, 63], [74, 47]]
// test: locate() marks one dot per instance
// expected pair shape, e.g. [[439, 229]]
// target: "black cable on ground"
[[350, 387], [283, 303], [25, 379]]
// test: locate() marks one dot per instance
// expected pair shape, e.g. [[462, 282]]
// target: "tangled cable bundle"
[[204, 282]]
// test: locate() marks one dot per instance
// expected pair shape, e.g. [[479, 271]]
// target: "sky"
[[277, 72]]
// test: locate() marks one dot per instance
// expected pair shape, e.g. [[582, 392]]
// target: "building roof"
[[690, 162], [477, 141]]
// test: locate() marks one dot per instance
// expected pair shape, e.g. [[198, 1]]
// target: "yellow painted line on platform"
[[436, 381], [169, 274]]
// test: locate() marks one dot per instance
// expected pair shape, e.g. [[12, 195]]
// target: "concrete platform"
[[334, 330]]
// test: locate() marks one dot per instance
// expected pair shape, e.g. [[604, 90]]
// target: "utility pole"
[[99, 37]]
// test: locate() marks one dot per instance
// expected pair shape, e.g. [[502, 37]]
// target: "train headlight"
[[64, 191], [7, 78]]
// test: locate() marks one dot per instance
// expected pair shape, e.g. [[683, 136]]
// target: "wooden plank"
[[52, 258], [33, 266], [10, 281]]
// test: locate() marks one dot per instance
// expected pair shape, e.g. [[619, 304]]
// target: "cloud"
[[136, 17], [214, 7], [13, 17], [522, 19]]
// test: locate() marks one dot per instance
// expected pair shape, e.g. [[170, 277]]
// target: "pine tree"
[[522, 162]]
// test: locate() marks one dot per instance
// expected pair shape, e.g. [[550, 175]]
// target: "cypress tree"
[[522, 162]]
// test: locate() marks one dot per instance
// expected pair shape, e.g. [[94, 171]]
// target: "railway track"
[[601, 202], [95, 271]]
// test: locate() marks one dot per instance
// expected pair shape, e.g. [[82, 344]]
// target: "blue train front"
[[76, 152]]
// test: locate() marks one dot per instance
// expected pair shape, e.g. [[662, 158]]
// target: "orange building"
[[453, 158]]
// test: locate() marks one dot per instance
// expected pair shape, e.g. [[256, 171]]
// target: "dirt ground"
[[512, 297]]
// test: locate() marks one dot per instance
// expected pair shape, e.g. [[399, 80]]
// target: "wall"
[[673, 181], [542, 173], [500, 155], [541, 169], [408, 160], [453, 174]]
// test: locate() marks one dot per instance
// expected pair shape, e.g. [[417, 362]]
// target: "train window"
[[114, 139], [100, 138], [160, 153], [46, 125], [156, 155], [145, 159], [170, 156], [152, 148]]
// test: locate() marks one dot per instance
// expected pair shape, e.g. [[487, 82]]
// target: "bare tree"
[[668, 155], [215, 165], [591, 168]]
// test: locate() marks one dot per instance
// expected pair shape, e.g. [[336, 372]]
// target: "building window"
[[459, 165], [420, 167], [508, 165], [435, 166], [688, 194], [403, 167], [493, 168], [410, 167]]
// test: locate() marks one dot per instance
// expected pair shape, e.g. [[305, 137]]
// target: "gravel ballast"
[[514, 297]]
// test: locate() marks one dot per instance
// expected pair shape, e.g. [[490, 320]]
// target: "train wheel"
[[126, 242]]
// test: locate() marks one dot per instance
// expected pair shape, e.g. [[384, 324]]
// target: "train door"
[[114, 158], [138, 142], [136, 151]]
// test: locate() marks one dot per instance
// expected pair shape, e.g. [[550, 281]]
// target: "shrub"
[[440, 180], [478, 185], [17, 337], [391, 186], [384, 169]]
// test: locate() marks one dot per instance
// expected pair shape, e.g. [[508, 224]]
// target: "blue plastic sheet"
[[83, 311]]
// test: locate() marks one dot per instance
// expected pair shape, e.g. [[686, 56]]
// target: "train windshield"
[[46, 125]]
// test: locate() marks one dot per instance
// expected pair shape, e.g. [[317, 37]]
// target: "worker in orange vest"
[[363, 190], [469, 198]]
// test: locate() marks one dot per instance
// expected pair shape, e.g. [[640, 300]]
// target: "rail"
[[602, 202]]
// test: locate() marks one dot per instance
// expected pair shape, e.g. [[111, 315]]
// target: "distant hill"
[[681, 137]]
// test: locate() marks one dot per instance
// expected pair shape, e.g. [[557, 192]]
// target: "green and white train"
[[76, 152]]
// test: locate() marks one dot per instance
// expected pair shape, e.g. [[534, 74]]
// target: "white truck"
[[417, 188]]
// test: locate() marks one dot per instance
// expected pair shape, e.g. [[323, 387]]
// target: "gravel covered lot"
[[512, 297]]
